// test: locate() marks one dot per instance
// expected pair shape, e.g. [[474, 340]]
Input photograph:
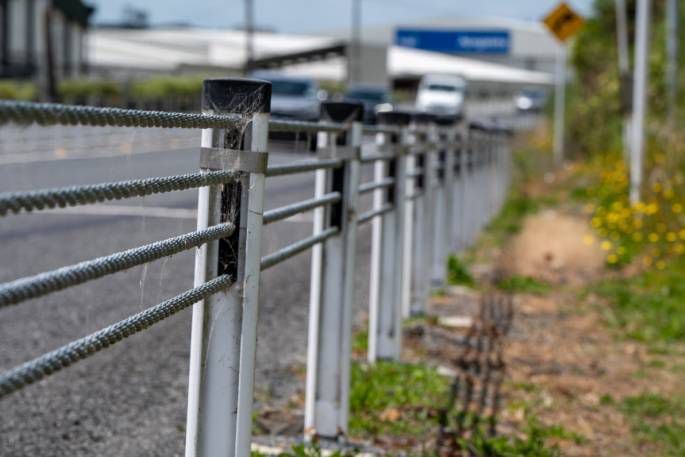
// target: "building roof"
[[174, 48]]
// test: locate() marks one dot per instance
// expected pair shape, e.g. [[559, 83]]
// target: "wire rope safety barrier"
[[436, 183]]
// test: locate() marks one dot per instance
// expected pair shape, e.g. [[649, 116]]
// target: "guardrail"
[[436, 183]]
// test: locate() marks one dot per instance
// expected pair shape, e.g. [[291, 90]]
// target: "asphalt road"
[[129, 400]]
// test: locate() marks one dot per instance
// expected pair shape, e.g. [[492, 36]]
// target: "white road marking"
[[147, 211], [125, 210]]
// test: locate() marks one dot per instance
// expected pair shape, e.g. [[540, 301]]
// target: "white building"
[[42, 37], [522, 44], [116, 52]]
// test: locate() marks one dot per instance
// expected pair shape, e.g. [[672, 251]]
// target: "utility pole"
[[560, 105], [671, 59], [626, 80], [249, 35], [639, 97], [354, 54]]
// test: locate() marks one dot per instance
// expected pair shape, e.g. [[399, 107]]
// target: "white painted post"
[[223, 336], [560, 105], [332, 293], [639, 97], [388, 248]]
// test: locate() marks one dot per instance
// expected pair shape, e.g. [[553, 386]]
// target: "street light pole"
[[354, 56], [560, 104], [671, 58], [639, 98], [249, 35], [624, 72]]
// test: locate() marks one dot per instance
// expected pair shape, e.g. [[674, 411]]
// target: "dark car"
[[374, 99], [531, 100], [293, 97]]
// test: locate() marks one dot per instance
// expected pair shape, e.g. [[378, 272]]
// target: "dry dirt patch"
[[553, 246]]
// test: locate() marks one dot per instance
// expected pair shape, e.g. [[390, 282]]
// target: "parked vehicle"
[[374, 98], [442, 95], [293, 97], [531, 100]]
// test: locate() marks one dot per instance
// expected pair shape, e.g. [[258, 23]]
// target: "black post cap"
[[478, 125], [236, 95], [423, 118], [393, 118], [448, 120], [342, 112]]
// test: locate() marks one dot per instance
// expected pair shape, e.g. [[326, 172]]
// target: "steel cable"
[[58, 114], [82, 195], [51, 362], [41, 284]]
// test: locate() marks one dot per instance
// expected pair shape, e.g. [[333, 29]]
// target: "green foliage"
[[657, 420], [360, 342], [515, 209], [533, 443], [16, 90], [165, 87], [523, 285], [313, 450], [89, 91], [457, 272], [649, 307], [395, 398]]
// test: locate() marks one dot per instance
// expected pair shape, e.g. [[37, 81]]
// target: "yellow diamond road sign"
[[563, 22]]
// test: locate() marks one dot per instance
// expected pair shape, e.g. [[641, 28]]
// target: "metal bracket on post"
[[332, 284], [388, 246], [223, 339]]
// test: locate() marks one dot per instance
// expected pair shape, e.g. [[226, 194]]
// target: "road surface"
[[130, 400]]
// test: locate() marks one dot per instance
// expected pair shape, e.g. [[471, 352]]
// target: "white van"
[[442, 95]]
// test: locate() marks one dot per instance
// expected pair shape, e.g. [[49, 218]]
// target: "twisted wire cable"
[[41, 284], [82, 195], [58, 114], [51, 362]]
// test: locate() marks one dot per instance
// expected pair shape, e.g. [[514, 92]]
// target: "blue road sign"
[[455, 41]]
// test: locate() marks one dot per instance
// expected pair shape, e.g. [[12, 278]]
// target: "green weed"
[[458, 273], [523, 285], [395, 398], [657, 420], [649, 307]]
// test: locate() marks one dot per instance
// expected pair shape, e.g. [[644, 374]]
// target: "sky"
[[308, 16]]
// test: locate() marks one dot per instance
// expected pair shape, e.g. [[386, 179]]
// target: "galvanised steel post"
[[422, 257], [491, 172], [331, 298], [468, 191], [460, 187], [444, 201], [388, 246], [223, 336], [408, 140]]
